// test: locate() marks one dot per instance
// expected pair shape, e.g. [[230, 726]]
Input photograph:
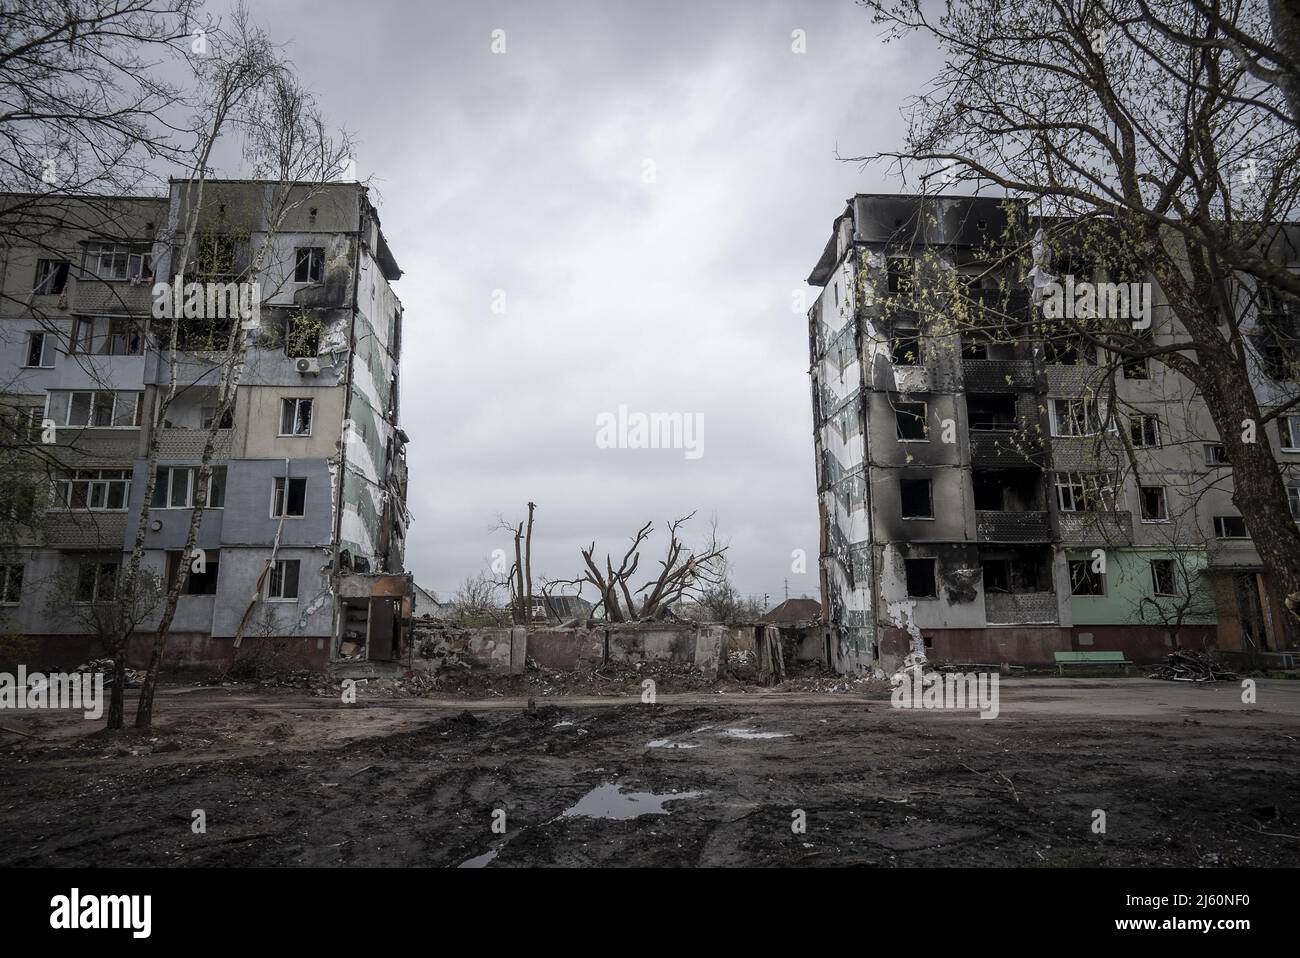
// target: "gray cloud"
[[524, 173]]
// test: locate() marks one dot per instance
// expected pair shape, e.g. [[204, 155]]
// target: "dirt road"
[[1184, 776]]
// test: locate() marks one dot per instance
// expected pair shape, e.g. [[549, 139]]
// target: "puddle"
[[481, 861], [669, 743], [607, 801], [749, 733]]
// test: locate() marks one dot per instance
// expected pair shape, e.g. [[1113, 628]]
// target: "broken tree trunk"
[[771, 661]]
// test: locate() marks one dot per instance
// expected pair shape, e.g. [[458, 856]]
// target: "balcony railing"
[[1012, 527], [1020, 608], [100, 298], [1005, 449], [1097, 528], [174, 443], [997, 375]]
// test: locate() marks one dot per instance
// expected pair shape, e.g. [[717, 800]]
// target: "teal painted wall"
[[1128, 582]]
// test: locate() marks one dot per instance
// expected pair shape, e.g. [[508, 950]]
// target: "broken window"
[[96, 582], [301, 336], [105, 336], [1230, 527], [1019, 574], [1277, 339], [906, 346], [309, 264], [921, 583], [295, 417], [915, 497], [1085, 492], [198, 583], [11, 584], [1164, 577], [282, 583], [1288, 428], [1084, 579], [910, 417], [209, 413], [51, 277], [1135, 369], [40, 350], [901, 273], [1153, 504], [1075, 417], [1216, 454], [991, 413], [1144, 431], [289, 497]]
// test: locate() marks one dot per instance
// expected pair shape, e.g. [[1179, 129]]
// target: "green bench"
[[1102, 659]]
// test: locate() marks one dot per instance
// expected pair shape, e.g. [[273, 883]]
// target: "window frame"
[[48, 274], [7, 583], [95, 400], [1137, 430], [1089, 576], [280, 495], [62, 498], [1288, 433], [929, 484], [1082, 421], [297, 402], [276, 571], [315, 257], [191, 486], [99, 567], [49, 347], [1142, 506], [1173, 577], [924, 419], [1219, 527]]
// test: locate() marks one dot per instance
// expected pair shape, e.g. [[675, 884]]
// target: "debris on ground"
[[105, 666], [1188, 665]]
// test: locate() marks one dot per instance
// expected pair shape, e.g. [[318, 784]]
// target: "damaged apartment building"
[[964, 496], [304, 532]]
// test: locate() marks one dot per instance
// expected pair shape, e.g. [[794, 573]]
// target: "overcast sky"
[[526, 173]]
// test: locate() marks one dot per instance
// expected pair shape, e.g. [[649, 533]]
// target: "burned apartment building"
[[968, 483], [303, 535]]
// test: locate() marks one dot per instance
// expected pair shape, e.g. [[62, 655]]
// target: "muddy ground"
[[1185, 776]]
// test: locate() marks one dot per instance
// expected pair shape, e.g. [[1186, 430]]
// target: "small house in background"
[[426, 603], [559, 609], [794, 612]]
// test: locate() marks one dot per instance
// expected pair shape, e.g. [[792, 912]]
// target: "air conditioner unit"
[[308, 366]]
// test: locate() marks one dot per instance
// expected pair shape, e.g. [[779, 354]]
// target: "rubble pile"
[[1188, 665], [105, 666]]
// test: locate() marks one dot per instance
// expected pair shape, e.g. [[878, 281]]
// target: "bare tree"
[[289, 144], [111, 606], [476, 602], [683, 573]]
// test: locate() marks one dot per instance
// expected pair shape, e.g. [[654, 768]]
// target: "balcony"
[[1005, 449], [85, 529], [1097, 528], [100, 298], [176, 443], [1020, 608], [1012, 527], [997, 375]]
